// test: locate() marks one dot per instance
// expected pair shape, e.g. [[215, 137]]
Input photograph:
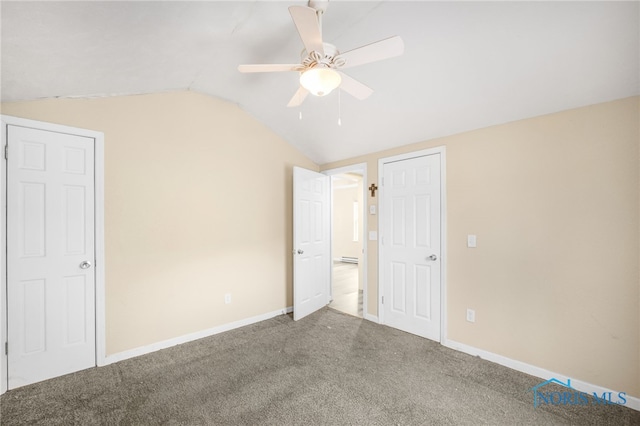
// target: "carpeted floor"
[[329, 368]]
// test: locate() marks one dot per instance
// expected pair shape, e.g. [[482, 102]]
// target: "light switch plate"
[[372, 209], [373, 235], [472, 241]]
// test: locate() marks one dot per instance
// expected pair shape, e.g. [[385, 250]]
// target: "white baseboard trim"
[[121, 356], [632, 402], [372, 318]]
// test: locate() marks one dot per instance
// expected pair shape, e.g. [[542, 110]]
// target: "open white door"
[[311, 242]]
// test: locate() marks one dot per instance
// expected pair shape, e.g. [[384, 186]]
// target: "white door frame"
[[99, 234], [443, 231], [360, 168]]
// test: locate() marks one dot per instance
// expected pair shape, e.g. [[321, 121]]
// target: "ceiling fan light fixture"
[[320, 81]]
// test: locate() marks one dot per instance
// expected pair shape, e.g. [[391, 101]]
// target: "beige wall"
[[555, 279], [195, 192]]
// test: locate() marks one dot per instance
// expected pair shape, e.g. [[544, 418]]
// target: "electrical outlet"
[[471, 315], [227, 298]]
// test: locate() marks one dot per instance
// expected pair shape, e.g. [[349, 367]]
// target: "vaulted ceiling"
[[466, 65]]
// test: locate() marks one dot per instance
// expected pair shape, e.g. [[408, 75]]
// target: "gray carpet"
[[329, 368]]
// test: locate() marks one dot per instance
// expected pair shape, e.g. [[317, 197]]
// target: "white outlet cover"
[[471, 315], [472, 241]]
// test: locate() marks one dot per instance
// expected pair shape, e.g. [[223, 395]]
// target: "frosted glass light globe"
[[320, 81]]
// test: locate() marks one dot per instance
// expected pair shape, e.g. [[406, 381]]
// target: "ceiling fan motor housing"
[[331, 58]]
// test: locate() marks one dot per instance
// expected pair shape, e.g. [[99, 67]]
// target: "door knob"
[[300, 251], [432, 257], [85, 265]]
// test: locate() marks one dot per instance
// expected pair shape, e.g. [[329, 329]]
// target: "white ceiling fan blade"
[[383, 49], [299, 97], [354, 87], [308, 27], [267, 67]]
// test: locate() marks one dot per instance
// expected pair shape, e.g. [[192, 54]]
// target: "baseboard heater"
[[347, 259]]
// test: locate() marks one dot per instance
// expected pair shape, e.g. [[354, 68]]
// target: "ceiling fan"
[[321, 62]]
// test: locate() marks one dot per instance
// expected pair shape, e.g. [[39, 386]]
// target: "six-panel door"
[[411, 245], [50, 254], [311, 242]]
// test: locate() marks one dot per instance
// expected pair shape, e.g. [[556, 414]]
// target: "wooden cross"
[[373, 188]]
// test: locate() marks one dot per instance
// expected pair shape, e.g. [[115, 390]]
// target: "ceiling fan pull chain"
[[339, 107]]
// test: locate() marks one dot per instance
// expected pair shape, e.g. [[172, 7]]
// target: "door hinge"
[[6, 348], [382, 183], [6, 152], [383, 300]]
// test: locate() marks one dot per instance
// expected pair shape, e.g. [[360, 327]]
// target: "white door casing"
[[311, 242], [410, 245], [51, 291]]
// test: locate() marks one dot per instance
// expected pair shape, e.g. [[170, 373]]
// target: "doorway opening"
[[348, 225]]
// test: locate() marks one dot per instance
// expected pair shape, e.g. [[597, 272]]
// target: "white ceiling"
[[466, 65]]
